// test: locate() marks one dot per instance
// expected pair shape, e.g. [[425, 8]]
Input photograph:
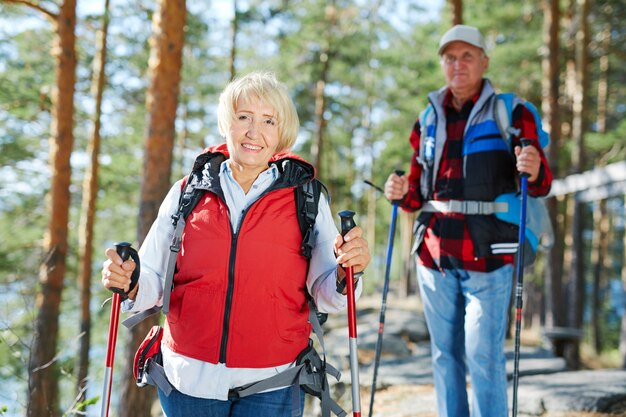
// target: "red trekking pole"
[[347, 223], [123, 249]]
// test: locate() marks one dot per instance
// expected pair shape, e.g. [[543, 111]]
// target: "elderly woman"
[[238, 309]]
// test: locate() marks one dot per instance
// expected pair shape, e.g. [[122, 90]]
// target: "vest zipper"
[[231, 276], [229, 292]]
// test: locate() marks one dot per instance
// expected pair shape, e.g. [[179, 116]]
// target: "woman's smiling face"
[[253, 136]]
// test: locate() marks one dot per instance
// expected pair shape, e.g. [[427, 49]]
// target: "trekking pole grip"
[[525, 142], [399, 173], [126, 251], [347, 221], [347, 224], [123, 249]]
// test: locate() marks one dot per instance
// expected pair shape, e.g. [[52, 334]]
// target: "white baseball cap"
[[463, 33]]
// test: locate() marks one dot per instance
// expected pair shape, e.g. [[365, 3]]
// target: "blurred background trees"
[[359, 72]]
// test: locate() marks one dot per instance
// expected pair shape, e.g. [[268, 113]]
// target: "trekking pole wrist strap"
[[341, 283]]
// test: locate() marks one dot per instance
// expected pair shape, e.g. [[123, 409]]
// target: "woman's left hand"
[[352, 250]]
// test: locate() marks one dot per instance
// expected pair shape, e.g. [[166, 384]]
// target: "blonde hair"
[[264, 86]]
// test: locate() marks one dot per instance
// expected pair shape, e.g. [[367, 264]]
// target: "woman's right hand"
[[116, 274], [396, 187]]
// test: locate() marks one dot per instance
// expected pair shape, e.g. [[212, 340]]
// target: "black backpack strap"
[[307, 201], [307, 205], [189, 198]]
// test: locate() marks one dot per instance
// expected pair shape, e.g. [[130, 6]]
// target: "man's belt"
[[466, 207]]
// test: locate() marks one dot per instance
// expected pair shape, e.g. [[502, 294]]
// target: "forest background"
[[103, 104]]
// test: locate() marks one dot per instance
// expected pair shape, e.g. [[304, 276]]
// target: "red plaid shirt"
[[447, 242]]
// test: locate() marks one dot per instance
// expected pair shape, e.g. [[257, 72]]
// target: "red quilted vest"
[[240, 299]]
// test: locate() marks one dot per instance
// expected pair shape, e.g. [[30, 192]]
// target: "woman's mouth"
[[251, 147]]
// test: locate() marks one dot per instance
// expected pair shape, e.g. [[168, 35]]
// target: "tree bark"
[[550, 108], [622, 339], [532, 301], [320, 87], [457, 12], [233, 42], [320, 124], [405, 223], [603, 82], [600, 248], [166, 46], [90, 191], [576, 284], [43, 373]]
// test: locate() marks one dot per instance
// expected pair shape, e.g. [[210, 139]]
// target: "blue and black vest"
[[488, 165]]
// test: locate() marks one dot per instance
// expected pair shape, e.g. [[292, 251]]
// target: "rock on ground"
[[404, 379]]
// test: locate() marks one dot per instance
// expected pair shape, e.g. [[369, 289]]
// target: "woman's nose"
[[253, 130]]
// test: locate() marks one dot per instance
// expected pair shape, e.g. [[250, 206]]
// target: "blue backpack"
[[538, 222], [504, 112]]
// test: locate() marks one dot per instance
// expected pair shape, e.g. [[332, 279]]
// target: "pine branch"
[[29, 3]]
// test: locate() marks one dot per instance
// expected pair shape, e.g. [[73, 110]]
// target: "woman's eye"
[[270, 122]]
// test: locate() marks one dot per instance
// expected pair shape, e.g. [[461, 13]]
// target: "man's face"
[[463, 67]]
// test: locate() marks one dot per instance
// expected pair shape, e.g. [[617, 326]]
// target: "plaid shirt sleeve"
[[413, 199], [524, 120]]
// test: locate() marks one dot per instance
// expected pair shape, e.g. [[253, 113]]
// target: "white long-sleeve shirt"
[[203, 379]]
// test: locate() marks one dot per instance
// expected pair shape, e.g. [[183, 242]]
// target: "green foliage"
[[81, 406], [25, 87], [608, 147], [381, 63]]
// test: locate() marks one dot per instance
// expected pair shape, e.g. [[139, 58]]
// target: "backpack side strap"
[[188, 200], [503, 114], [310, 373], [307, 201]]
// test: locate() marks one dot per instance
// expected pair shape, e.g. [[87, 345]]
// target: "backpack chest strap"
[[467, 207]]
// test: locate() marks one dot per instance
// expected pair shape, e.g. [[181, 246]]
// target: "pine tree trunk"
[[532, 301], [405, 224], [568, 203], [42, 370], [166, 47], [320, 105], [622, 338], [233, 42], [603, 82], [553, 281], [600, 247], [457, 12], [90, 191], [576, 284], [372, 194], [317, 147]]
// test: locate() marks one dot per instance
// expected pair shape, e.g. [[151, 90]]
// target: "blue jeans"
[[267, 404], [466, 314]]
